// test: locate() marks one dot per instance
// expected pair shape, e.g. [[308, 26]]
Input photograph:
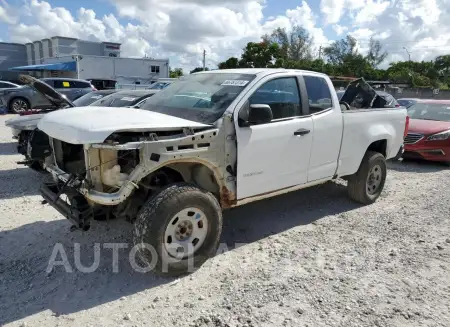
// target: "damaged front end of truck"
[[114, 178]]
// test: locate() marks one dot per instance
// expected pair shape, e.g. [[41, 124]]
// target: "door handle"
[[302, 131]]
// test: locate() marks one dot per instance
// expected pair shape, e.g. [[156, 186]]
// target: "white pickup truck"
[[212, 141]]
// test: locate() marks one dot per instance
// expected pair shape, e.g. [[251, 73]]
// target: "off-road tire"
[[155, 215], [357, 183]]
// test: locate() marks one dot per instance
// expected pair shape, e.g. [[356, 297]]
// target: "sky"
[[181, 29]]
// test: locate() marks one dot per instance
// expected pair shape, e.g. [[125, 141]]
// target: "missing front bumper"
[[77, 211]]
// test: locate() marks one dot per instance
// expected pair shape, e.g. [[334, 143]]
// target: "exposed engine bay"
[[115, 178]]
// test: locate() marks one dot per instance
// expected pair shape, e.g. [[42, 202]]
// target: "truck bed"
[[360, 127]]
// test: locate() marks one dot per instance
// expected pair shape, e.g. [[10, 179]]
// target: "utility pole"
[[320, 52], [204, 60], [77, 61], [409, 53]]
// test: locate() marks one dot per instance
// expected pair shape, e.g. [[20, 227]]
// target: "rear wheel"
[[18, 105], [366, 185], [178, 229]]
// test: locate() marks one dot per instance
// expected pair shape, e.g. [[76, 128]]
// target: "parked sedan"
[[91, 97], [34, 144], [407, 102], [19, 99], [125, 98], [8, 85], [429, 131], [28, 120]]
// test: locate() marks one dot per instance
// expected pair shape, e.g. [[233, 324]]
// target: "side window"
[[4, 85], [48, 82], [319, 94], [282, 95], [62, 84], [79, 85]]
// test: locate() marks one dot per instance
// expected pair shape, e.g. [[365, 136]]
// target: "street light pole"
[[409, 53]]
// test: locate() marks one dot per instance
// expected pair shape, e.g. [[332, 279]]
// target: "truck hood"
[[24, 122], [87, 125], [56, 98], [428, 127]]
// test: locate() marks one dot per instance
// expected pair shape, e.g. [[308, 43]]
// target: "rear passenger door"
[[323, 107]]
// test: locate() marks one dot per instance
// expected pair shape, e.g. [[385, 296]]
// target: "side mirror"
[[260, 114]]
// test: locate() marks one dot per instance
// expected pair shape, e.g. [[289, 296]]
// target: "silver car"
[[8, 85], [22, 98]]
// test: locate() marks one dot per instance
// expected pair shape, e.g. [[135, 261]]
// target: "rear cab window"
[[319, 94]]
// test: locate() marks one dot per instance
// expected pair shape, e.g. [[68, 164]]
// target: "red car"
[[429, 131]]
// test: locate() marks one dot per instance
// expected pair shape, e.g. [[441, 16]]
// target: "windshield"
[[159, 85], [202, 98], [430, 111], [87, 99], [119, 100]]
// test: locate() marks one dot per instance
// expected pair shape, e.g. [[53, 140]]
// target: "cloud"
[[339, 29], [418, 25], [7, 14], [181, 30], [333, 10]]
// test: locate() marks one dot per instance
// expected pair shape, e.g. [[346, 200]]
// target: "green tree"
[[260, 55], [376, 55], [198, 69], [340, 50], [442, 66], [176, 73], [230, 63], [296, 45]]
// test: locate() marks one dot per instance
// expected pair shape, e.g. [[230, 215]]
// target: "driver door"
[[274, 155]]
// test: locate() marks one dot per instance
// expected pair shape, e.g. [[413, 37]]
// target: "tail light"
[[397, 106], [406, 127]]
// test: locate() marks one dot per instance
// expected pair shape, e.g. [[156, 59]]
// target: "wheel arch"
[[379, 146], [203, 174]]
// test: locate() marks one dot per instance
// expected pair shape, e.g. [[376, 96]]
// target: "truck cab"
[[212, 141]]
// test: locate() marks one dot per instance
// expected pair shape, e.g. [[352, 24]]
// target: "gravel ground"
[[309, 258]]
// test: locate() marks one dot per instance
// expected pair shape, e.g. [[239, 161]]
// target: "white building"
[[69, 57]]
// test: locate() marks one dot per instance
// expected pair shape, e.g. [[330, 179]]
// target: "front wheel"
[[366, 185], [177, 230]]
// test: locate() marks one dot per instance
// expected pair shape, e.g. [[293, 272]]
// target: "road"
[[309, 258]]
